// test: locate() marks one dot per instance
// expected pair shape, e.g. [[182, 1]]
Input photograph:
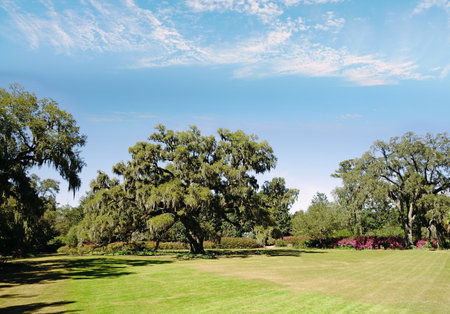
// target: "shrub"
[[148, 247], [233, 243], [280, 243], [422, 244], [172, 246], [364, 242], [63, 249], [297, 242]]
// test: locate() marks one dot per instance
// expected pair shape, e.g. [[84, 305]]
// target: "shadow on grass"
[[267, 252], [49, 270], [33, 307], [36, 271]]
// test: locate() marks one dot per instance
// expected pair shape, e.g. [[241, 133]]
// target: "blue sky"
[[321, 80]]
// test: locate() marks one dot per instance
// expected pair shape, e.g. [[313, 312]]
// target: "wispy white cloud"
[[101, 27], [121, 117], [316, 60], [424, 5], [349, 116], [309, 2], [264, 9], [445, 71], [284, 46]]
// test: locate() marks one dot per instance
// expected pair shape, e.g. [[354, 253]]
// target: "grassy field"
[[282, 281]]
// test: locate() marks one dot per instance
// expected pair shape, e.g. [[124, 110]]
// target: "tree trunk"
[[407, 226], [196, 247], [194, 235]]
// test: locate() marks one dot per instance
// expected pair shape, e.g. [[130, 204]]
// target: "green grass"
[[281, 281]]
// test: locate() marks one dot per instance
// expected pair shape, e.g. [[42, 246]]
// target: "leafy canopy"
[[200, 181], [34, 132], [409, 173]]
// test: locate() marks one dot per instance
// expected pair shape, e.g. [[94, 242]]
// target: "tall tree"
[[404, 170], [33, 132], [279, 200], [197, 180], [320, 221]]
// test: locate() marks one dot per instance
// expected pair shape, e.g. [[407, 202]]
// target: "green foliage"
[[233, 243], [320, 221], [291, 241], [34, 132], [409, 175], [279, 199], [181, 177], [437, 216]]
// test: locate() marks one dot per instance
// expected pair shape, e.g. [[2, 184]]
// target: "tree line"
[[186, 186]]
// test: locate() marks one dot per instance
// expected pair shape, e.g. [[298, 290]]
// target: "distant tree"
[[34, 132], [364, 214], [320, 221], [437, 217], [406, 172], [185, 177], [279, 200]]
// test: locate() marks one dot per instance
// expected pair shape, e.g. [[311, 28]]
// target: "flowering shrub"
[[425, 244], [363, 242]]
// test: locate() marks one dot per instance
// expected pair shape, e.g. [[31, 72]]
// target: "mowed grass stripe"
[[176, 287], [330, 281], [404, 279]]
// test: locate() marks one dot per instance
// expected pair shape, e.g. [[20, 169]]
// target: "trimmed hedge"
[[148, 247], [297, 242], [233, 243], [360, 242]]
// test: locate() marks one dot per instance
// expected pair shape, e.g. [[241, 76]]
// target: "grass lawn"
[[315, 281]]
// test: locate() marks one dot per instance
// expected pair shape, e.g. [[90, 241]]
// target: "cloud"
[[284, 45], [309, 2], [445, 72], [427, 4], [350, 116], [121, 117], [263, 9], [99, 27]]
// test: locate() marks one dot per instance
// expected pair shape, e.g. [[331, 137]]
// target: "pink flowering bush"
[[421, 244], [364, 242]]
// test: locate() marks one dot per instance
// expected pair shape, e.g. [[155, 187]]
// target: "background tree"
[[198, 181], [404, 171], [33, 132], [437, 217], [320, 221], [279, 200], [365, 215]]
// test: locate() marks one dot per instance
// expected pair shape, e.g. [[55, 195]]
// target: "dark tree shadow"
[[31, 272], [33, 307], [39, 271]]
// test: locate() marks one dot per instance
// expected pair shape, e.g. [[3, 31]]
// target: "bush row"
[[358, 243], [233, 243], [363, 242], [297, 242], [141, 247]]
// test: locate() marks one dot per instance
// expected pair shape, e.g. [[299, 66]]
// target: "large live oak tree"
[[200, 181], [411, 172], [33, 132]]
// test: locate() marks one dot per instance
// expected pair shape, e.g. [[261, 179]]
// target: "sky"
[[320, 80]]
